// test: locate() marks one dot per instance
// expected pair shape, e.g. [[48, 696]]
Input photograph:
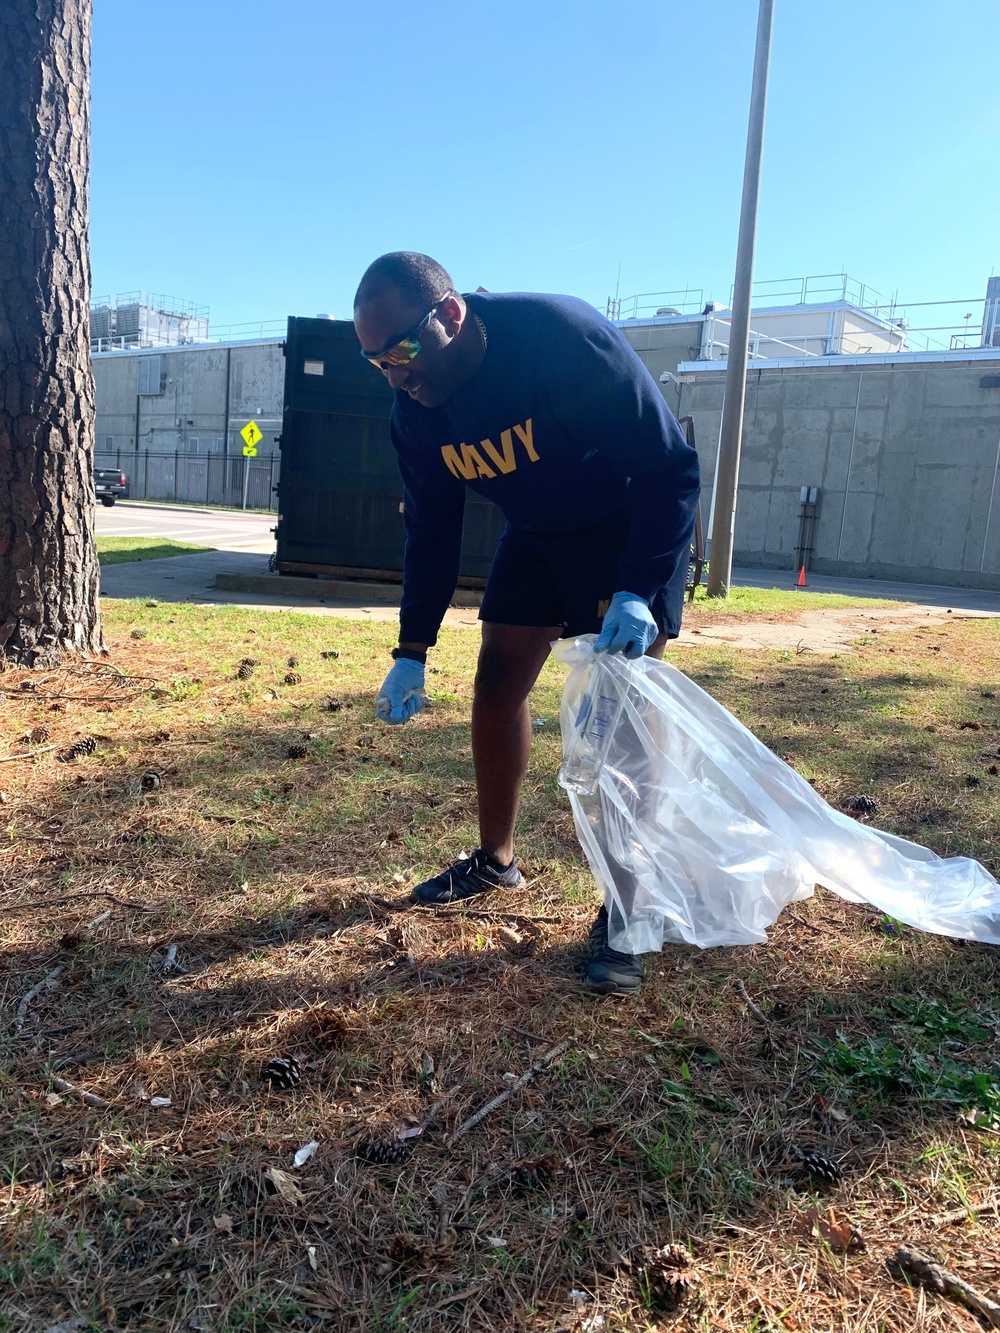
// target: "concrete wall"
[[906, 455], [192, 407], [663, 346]]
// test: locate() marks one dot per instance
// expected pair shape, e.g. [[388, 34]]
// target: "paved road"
[[921, 594], [224, 529], [242, 541]]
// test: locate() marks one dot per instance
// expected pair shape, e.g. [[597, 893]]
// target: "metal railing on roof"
[[924, 326], [817, 289], [224, 333], [164, 305], [685, 301]]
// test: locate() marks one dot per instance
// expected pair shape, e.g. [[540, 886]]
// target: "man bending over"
[[539, 404]]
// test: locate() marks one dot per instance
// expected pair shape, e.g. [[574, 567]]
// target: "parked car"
[[110, 484]]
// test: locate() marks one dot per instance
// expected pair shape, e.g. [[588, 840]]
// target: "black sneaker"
[[610, 972], [477, 873]]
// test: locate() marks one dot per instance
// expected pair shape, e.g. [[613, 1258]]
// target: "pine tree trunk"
[[48, 560]]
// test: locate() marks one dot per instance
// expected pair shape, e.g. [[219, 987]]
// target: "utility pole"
[[720, 566]]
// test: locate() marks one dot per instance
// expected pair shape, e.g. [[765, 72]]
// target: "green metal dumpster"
[[340, 497]]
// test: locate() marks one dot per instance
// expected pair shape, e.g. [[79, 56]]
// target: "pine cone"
[[327, 1028], [244, 671], [383, 1152], [330, 654], [292, 678], [37, 735], [283, 1072], [669, 1276], [818, 1166], [297, 751], [138, 634], [860, 805], [150, 781], [293, 661], [333, 705], [28, 686], [250, 661], [534, 1172], [406, 1248], [77, 751]]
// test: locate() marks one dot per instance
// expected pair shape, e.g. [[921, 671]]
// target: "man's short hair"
[[419, 279]]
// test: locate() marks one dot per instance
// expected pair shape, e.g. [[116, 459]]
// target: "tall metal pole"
[[720, 567]]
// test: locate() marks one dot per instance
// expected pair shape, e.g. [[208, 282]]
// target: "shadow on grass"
[[271, 876]]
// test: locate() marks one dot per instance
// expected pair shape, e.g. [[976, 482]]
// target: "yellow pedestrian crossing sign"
[[252, 435]]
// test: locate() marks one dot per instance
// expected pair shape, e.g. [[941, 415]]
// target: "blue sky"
[[255, 157]]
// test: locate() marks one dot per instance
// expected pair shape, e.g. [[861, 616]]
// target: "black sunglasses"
[[401, 351]]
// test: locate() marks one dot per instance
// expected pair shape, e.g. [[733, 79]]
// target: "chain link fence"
[[234, 482]]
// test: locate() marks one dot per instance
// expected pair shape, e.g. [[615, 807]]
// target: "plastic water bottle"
[[595, 725]]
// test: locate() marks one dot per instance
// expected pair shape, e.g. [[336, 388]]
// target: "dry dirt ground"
[[822, 631]]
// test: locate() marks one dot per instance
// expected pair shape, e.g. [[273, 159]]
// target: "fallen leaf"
[[223, 1223], [304, 1153], [53, 1099], [284, 1184], [839, 1232]]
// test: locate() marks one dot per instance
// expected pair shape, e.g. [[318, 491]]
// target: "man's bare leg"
[[510, 659]]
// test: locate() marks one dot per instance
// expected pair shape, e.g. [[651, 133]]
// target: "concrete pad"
[[195, 579], [192, 579], [824, 632]]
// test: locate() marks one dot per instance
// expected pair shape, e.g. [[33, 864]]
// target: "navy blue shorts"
[[568, 579]]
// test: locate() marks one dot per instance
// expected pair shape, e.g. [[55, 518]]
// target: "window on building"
[[150, 375], [193, 444]]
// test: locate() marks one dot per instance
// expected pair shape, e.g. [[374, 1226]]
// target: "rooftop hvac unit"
[[100, 321], [668, 310], [127, 321]]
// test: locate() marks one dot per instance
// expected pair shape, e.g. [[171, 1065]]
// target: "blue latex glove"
[[628, 627], [402, 692]]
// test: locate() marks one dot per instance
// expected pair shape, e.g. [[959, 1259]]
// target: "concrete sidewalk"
[[191, 578], [920, 594]]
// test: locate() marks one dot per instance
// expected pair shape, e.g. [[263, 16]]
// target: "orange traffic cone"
[[802, 578]]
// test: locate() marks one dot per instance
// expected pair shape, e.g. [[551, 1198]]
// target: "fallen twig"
[[169, 962], [960, 1214], [88, 1098], [28, 754], [915, 1264], [540, 1064], [755, 1009], [73, 897], [801, 921], [437, 1107], [529, 1036], [448, 910], [22, 1008]]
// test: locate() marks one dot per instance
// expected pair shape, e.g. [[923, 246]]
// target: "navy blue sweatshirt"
[[562, 427]]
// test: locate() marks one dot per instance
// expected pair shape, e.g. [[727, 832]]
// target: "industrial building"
[[891, 411]]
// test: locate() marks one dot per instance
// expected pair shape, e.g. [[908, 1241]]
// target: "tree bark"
[[48, 560]]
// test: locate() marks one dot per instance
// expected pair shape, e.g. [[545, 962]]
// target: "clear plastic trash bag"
[[697, 833]]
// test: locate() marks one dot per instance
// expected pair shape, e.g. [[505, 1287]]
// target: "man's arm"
[[433, 512], [620, 411]]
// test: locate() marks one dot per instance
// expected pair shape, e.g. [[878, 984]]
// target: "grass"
[[774, 602], [122, 550], [283, 884]]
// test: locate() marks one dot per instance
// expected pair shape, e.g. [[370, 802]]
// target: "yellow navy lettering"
[[467, 463]]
